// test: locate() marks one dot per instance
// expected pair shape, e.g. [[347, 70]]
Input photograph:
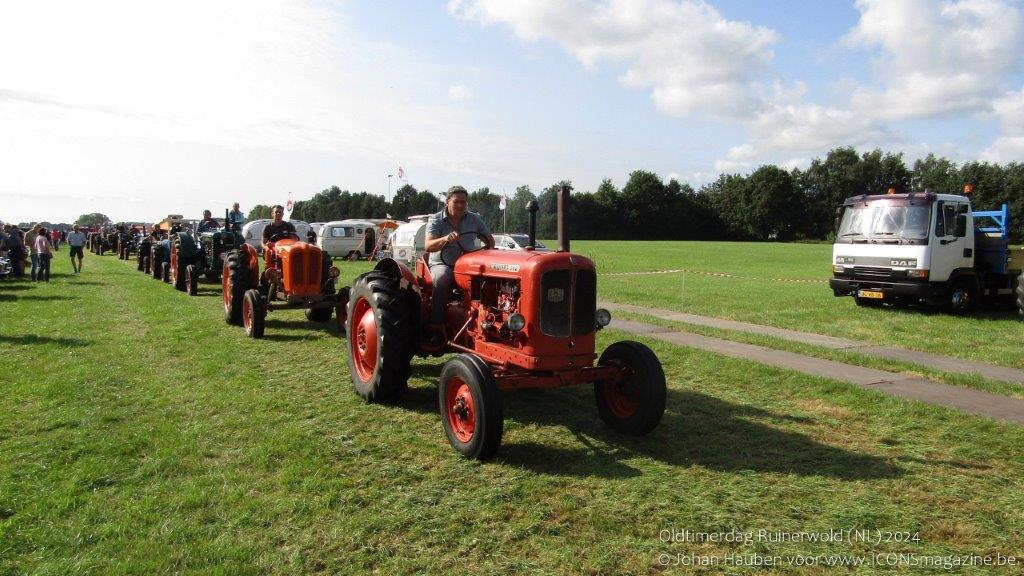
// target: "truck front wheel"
[[963, 296]]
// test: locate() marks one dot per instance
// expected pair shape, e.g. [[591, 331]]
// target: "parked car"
[[516, 241], [253, 232]]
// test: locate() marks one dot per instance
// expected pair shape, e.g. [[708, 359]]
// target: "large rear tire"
[[1020, 295], [383, 324], [156, 263], [635, 404], [471, 408], [235, 281], [178, 270]]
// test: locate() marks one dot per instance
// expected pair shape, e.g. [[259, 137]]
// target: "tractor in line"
[[516, 320]]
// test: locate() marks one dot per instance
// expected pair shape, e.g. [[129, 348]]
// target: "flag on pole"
[[401, 173], [288, 207], [501, 203]]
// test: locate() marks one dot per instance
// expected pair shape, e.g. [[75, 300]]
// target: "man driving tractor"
[[278, 226], [443, 230]]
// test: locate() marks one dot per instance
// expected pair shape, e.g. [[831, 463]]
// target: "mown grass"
[[140, 434], [786, 285]]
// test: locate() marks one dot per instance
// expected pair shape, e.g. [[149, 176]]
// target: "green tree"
[[94, 219], [258, 212]]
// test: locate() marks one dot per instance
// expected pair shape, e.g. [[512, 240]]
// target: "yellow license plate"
[[870, 294]]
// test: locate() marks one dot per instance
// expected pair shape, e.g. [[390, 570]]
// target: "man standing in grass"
[[236, 217], [76, 242], [30, 244]]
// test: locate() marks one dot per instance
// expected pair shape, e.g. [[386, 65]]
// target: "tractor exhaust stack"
[[532, 208], [563, 215]]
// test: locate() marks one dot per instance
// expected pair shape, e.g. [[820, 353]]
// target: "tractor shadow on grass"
[[33, 339], [697, 430]]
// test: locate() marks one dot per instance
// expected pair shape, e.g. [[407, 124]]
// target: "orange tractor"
[[296, 274], [517, 319]]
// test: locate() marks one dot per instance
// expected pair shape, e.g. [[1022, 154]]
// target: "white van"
[[348, 238], [409, 240], [253, 232]]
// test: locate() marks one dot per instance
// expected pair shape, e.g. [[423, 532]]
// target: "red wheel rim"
[[247, 314], [174, 266], [459, 409], [363, 343], [225, 284], [622, 398]]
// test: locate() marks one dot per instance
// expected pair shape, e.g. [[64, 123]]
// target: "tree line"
[[771, 203]]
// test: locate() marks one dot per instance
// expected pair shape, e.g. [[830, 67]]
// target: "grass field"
[[141, 434], [786, 285]]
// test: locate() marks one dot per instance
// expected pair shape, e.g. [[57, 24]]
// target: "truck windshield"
[[884, 221]]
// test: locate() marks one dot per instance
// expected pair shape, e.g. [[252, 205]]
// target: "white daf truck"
[[927, 248]]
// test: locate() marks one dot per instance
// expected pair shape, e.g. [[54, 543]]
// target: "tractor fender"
[[396, 269], [254, 263]]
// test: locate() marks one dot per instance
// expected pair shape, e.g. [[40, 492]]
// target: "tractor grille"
[[305, 268], [556, 299], [872, 273], [584, 302]]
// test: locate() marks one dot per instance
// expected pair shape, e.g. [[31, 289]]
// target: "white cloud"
[[938, 57], [689, 56], [459, 93], [1009, 147]]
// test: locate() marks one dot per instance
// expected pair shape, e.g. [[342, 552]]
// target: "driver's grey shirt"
[[439, 225]]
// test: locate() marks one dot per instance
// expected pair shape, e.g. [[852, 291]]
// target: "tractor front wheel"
[[382, 329], [471, 407], [144, 264], [191, 280], [635, 403], [319, 314], [165, 271], [254, 313]]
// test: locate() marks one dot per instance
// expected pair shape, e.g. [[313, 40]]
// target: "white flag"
[[288, 207], [501, 204]]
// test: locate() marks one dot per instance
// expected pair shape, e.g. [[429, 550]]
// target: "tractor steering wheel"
[[458, 250], [282, 236]]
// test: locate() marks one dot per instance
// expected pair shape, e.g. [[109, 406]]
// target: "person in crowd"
[[278, 225], [208, 223], [76, 244], [443, 230], [235, 216], [311, 235], [16, 250], [30, 244], [44, 253], [55, 238]]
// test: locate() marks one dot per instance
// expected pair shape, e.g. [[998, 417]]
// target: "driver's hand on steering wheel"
[[451, 238]]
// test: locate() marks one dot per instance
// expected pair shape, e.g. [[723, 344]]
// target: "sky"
[[142, 109]]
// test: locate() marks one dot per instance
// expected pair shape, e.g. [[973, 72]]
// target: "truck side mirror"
[[961, 225]]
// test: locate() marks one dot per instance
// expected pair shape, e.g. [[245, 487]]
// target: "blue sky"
[[137, 110]]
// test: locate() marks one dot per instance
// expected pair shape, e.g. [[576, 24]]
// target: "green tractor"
[[194, 254]]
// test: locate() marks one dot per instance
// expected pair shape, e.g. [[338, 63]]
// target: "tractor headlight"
[[516, 322], [603, 317], [333, 272]]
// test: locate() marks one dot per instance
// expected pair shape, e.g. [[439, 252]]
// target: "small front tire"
[[254, 313], [471, 407], [636, 403]]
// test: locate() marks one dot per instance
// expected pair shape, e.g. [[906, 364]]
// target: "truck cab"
[[922, 248]]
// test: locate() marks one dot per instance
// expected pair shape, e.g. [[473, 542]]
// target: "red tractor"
[[295, 275], [517, 319]]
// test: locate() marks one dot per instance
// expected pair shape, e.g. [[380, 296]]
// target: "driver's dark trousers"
[[442, 276]]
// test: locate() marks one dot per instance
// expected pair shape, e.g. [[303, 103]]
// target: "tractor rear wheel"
[[155, 262], [636, 403], [191, 280], [254, 313], [382, 329], [234, 283], [1020, 295], [319, 314], [471, 408]]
